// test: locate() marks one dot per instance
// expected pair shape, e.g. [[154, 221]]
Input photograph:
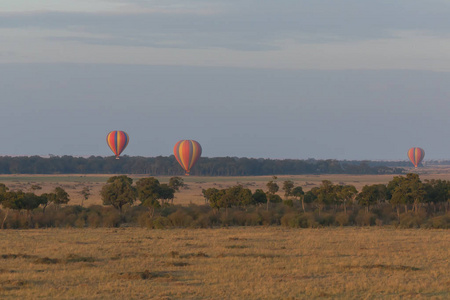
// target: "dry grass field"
[[233, 263]]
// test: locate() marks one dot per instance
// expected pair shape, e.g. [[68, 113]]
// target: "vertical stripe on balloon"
[[187, 152], [416, 155], [117, 141]]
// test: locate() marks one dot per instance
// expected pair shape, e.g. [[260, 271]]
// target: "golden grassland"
[[225, 263], [73, 184]]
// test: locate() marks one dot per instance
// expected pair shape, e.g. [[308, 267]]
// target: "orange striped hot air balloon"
[[117, 141], [415, 155], [187, 152]]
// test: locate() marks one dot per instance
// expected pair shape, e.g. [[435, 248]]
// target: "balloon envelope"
[[187, 152], [415, 155], [117, 141]]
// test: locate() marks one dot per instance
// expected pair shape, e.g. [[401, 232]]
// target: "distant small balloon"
[[416, 155], [187, 152], [117, 141]]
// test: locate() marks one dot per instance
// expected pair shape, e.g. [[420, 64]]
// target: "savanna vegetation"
[[168, 166], [404, 202]]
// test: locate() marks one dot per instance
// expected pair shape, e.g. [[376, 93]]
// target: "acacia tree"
[[176, 183], [272, 188], [118, 191], [406, 190], [166, 193], [324, 194], [436, 191], [259, 197], [58, 196], [345, 194], [367, 196], [150, 191], [213, 196], [298, 193], [85, 193], [21, 201], [288, 185]]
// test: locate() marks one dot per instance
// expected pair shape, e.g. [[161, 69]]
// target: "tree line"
[[404, 201], [168, 166]]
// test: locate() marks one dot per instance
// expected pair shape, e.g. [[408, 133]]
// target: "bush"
[[111, 218], [364, 218], [253, 219], [144, 220], [180, 218], [342, 219], [412, 220], [239, 218], [440, 222], [160, 223], [325, 219], [294, 220], [289, 203]]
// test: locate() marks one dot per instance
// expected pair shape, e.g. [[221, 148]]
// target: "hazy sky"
[[350, 79]]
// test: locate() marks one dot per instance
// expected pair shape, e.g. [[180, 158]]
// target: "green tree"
[[176, 183], [345, 194], [21, 201], [272, 188], [368, 196], [59, 196], [148, 190], [85, 193], [298, 193], [324, 195], [118, 191], [406, 190], [288, 185], [166, 193], [436, 191], [214, 196], [259, 197]]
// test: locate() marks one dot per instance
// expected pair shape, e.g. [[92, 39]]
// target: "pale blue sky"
[[351, 79]]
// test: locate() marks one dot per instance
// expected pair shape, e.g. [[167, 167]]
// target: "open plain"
[[262, 262], [225, 263]]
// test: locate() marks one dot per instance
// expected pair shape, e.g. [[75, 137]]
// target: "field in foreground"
[[233, 263]]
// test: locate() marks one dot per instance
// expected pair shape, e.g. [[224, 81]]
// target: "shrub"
[[93, 219], [180, 218], [111, 218], [325, 219], [80, 222], [364, 218], [342, 219], [289, 203], [160, 223], [440, 222], [144, 220], [239, 218], [412, 220], [253, 219]]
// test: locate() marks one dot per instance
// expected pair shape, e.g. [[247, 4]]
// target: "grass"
[[232, 263]]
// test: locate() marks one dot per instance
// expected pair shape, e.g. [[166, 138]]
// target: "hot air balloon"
[[416, 155], [187, 152], [117, 141]]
